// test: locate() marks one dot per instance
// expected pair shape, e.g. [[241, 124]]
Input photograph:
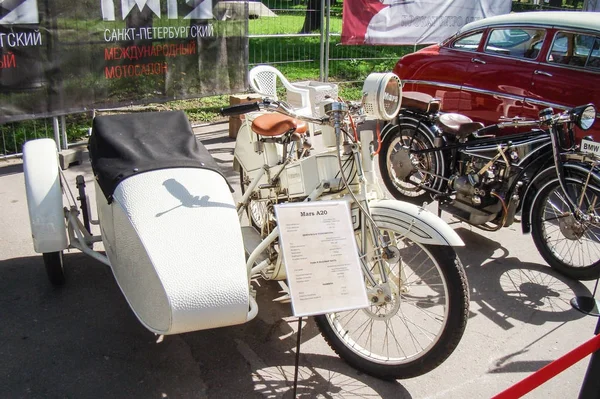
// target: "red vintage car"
[[512, 65]]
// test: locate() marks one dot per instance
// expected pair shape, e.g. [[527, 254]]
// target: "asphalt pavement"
[[83, 341]]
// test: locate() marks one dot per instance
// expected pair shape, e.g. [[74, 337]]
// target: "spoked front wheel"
[[418, 326], [569, 243]]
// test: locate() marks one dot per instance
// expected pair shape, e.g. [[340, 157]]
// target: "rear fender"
[[425, 126], [420, 225]]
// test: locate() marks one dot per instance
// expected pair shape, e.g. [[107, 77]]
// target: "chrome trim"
[[545, 63], [492, 93], [546, 104], [552, 105], [527, 100], [437, 84], [464, 88]]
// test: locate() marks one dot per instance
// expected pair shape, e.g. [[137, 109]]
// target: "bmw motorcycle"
[[541, 178]]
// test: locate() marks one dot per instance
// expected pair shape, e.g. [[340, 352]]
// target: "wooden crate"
[[235, 122]]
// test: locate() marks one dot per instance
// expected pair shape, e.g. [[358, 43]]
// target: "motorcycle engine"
[[477, 182], [479, 188]]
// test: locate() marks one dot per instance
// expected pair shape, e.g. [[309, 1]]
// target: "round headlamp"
[[382, 95]]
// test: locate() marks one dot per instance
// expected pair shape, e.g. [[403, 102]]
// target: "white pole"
[[63, 131], [56, 132]]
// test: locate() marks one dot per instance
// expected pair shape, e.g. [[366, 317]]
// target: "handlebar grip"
[[492, 129], [240, 109]]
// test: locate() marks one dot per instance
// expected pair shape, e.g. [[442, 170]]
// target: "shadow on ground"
[[82, 340], [506, 288]]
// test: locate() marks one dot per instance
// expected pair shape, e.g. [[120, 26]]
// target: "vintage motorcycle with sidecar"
[[174, 241], [485, 179]]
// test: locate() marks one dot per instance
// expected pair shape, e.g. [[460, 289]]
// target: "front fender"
[[572, 169], [419, 224]]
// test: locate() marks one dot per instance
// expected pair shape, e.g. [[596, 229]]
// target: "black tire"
[[399, 177], [569, 246], [418, 332], [53, 261]]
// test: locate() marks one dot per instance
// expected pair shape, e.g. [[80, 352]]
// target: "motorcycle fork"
[[380, 291], [574, 207], [582, 196]]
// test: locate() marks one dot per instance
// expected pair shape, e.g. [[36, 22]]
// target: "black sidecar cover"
[[123, 145]]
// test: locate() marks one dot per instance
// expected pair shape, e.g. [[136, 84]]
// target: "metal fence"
[[275, 37]]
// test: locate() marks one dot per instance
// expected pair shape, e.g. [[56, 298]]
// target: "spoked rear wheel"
[[569, 243], [403, 173], [418, 327]]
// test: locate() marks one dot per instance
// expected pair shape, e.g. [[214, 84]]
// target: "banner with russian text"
[[64, 56], [408, 22]]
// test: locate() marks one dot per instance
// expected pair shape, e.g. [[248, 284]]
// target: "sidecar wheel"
[[397, 167], [570, 246], [53, 261], [419, 326]]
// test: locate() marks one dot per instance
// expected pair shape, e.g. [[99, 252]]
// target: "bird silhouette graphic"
[[188, 200]]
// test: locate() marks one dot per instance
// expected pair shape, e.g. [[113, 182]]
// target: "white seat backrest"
[[263, 80]]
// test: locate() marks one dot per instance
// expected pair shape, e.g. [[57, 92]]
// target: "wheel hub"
[[571, 228], [382, 308], [402, 163]]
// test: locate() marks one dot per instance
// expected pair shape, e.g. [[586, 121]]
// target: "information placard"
[[321, 257]]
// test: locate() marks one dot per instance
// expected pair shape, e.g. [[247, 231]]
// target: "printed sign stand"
[[321, 260]]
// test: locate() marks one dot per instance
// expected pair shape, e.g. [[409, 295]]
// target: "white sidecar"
[[167, 218]]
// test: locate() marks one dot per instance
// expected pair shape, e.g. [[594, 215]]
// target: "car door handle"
[[477, 60], [538, 72]]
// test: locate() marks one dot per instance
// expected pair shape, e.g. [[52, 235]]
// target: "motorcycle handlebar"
[[240, 109], [559, 117], [517, 123]]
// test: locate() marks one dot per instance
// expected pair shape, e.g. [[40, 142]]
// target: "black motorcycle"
[[486, 179]]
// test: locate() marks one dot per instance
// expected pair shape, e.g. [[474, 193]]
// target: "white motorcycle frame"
[[309, 176]]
